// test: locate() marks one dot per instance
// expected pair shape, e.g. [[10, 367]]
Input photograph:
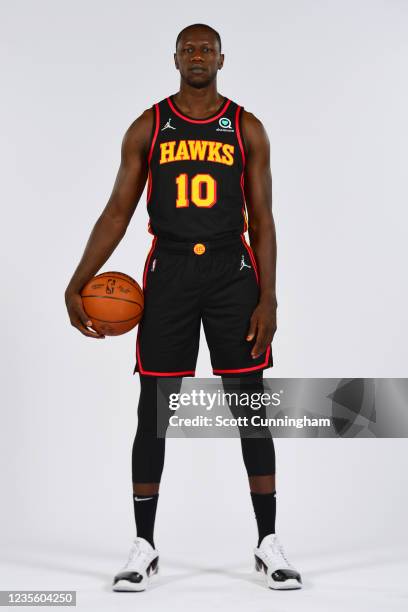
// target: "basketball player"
[[206, 164]]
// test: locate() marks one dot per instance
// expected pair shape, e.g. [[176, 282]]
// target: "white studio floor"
[[360, 581]]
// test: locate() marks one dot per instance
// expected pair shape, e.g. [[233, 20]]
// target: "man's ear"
[[221, 62], [175, 61]]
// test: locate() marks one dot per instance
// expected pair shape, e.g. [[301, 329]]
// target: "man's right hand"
[[78, 316]]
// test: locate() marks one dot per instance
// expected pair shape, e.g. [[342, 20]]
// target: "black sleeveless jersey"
[[195, 185]]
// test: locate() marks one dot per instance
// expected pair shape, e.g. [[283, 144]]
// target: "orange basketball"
[[114, 303]]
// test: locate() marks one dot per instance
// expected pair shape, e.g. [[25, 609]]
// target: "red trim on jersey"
[[245, 220], [257, 367], [241, 146], [244, 202], [156, 131], [238, 132], [217, 116], [149, 186]]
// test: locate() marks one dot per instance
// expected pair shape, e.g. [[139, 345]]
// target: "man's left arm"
[[261, 230]]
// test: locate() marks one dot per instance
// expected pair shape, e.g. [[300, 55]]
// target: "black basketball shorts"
[[184, 283]]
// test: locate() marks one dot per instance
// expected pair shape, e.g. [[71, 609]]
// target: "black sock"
[[265, 512], [145, 513]]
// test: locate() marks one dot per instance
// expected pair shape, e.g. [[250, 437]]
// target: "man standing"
[[206, 163]]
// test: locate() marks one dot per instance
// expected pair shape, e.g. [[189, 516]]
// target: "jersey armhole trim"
[[155, 130], [238, 115]]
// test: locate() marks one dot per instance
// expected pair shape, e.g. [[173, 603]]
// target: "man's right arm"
[[112, 224]]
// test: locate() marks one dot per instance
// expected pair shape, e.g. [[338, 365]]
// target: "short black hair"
[[199, 25]]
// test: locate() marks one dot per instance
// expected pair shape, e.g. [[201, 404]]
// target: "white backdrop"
[[328, 79]]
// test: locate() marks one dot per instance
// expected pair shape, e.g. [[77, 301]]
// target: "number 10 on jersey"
[[202, 191]]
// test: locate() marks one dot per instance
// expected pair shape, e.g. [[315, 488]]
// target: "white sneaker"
[[143, 562], [270, 558]]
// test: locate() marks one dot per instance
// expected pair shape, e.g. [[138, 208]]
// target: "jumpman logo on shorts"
[[243, 264], [168, 126]]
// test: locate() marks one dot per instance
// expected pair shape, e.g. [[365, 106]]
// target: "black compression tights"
[[149, 449]]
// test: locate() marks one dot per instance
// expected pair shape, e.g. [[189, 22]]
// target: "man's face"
[[198, 57]]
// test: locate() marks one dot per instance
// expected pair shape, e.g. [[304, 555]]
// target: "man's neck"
[[198, 102]]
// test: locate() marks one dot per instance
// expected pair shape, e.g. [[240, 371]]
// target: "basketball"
[[114, 303]]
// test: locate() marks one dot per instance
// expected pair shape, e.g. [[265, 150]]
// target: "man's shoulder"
[[250, 118], [138, 134], [253, 132], [145, 119]]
